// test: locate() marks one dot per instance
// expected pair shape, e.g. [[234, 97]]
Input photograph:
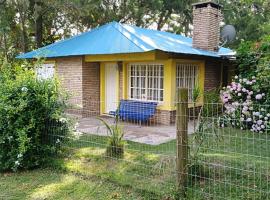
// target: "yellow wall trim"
[[121, 57], [144, 56]]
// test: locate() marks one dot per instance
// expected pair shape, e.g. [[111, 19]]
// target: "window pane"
[[186, 76], [146, 82]]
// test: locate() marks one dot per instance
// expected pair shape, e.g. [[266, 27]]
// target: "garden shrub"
[[247, 106], [253, 59], [30, 111], [247, 98], [211, 105]]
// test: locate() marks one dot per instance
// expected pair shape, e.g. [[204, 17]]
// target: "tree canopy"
[[29, 24]]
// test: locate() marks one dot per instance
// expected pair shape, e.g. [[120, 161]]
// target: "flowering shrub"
[[253, 59], [246, 105], [30, 109]]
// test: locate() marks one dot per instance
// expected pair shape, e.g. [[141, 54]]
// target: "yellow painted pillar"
[[125, 80], [169, 85], [201, 81]]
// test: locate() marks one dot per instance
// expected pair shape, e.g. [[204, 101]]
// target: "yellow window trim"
[[201, 79], [169, 80]]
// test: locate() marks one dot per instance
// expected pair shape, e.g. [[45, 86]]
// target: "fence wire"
[[226, 160]]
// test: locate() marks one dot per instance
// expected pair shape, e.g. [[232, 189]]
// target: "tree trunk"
[[39, 31], [160, 20], [5, 46], [163, 19], [24, 35], [22, 20]]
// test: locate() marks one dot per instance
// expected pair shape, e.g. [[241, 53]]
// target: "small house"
[[119, 61]]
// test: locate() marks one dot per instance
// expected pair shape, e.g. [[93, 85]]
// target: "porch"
[[150, 133]]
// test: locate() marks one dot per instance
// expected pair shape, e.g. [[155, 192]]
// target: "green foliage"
[[28, 24], [196, 93], [30, 109], [115, 146], [51, 20], [246, 105], [250, 18], [253, 59], [211, 105]]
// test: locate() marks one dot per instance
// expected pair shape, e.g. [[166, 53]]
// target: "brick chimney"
[[206, 21]]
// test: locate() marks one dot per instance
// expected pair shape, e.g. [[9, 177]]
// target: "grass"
[[51, 184], [232, 164]]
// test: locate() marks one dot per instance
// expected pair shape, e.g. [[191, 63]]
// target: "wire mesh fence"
[[226, 159]]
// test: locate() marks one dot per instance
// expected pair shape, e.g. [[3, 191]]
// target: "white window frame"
[[187, 75], [156, 78], [45, 71]]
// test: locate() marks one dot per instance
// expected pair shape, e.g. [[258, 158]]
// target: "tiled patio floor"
[[153, 134]]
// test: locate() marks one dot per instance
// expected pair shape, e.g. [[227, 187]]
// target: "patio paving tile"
[[147, 134]]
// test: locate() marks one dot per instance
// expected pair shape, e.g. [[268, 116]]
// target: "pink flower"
[[258, 96], [259, 122], [225, 100], [245, 108], [249, 119]]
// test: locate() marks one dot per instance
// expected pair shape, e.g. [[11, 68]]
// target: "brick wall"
[[164, 117], [212, 75], [69, 71], [206, 31], [91, 89], [82, 81]]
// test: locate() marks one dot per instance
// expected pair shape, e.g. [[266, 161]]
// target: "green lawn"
[[52, 184], [232, 164]]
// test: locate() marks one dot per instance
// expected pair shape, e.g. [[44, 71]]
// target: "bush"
[[115, 144], [212, 106], [247, 98], [253, 59], [28, 109], [246, 105]]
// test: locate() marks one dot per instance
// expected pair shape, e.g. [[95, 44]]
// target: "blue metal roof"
[[114, 38]]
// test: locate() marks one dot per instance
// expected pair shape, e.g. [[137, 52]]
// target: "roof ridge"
[[146, 44]]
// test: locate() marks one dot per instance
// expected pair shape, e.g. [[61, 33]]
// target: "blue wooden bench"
[[135, 110]]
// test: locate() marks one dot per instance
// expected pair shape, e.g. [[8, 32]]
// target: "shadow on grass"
[[140, 171], [48, 184]]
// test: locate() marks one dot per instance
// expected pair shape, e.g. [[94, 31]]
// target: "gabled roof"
[[115, 38]]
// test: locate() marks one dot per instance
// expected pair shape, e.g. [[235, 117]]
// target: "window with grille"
[[146, 82], [187, 77], [45, 71]]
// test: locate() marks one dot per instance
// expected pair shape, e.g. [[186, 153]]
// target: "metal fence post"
[[182, 140]]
